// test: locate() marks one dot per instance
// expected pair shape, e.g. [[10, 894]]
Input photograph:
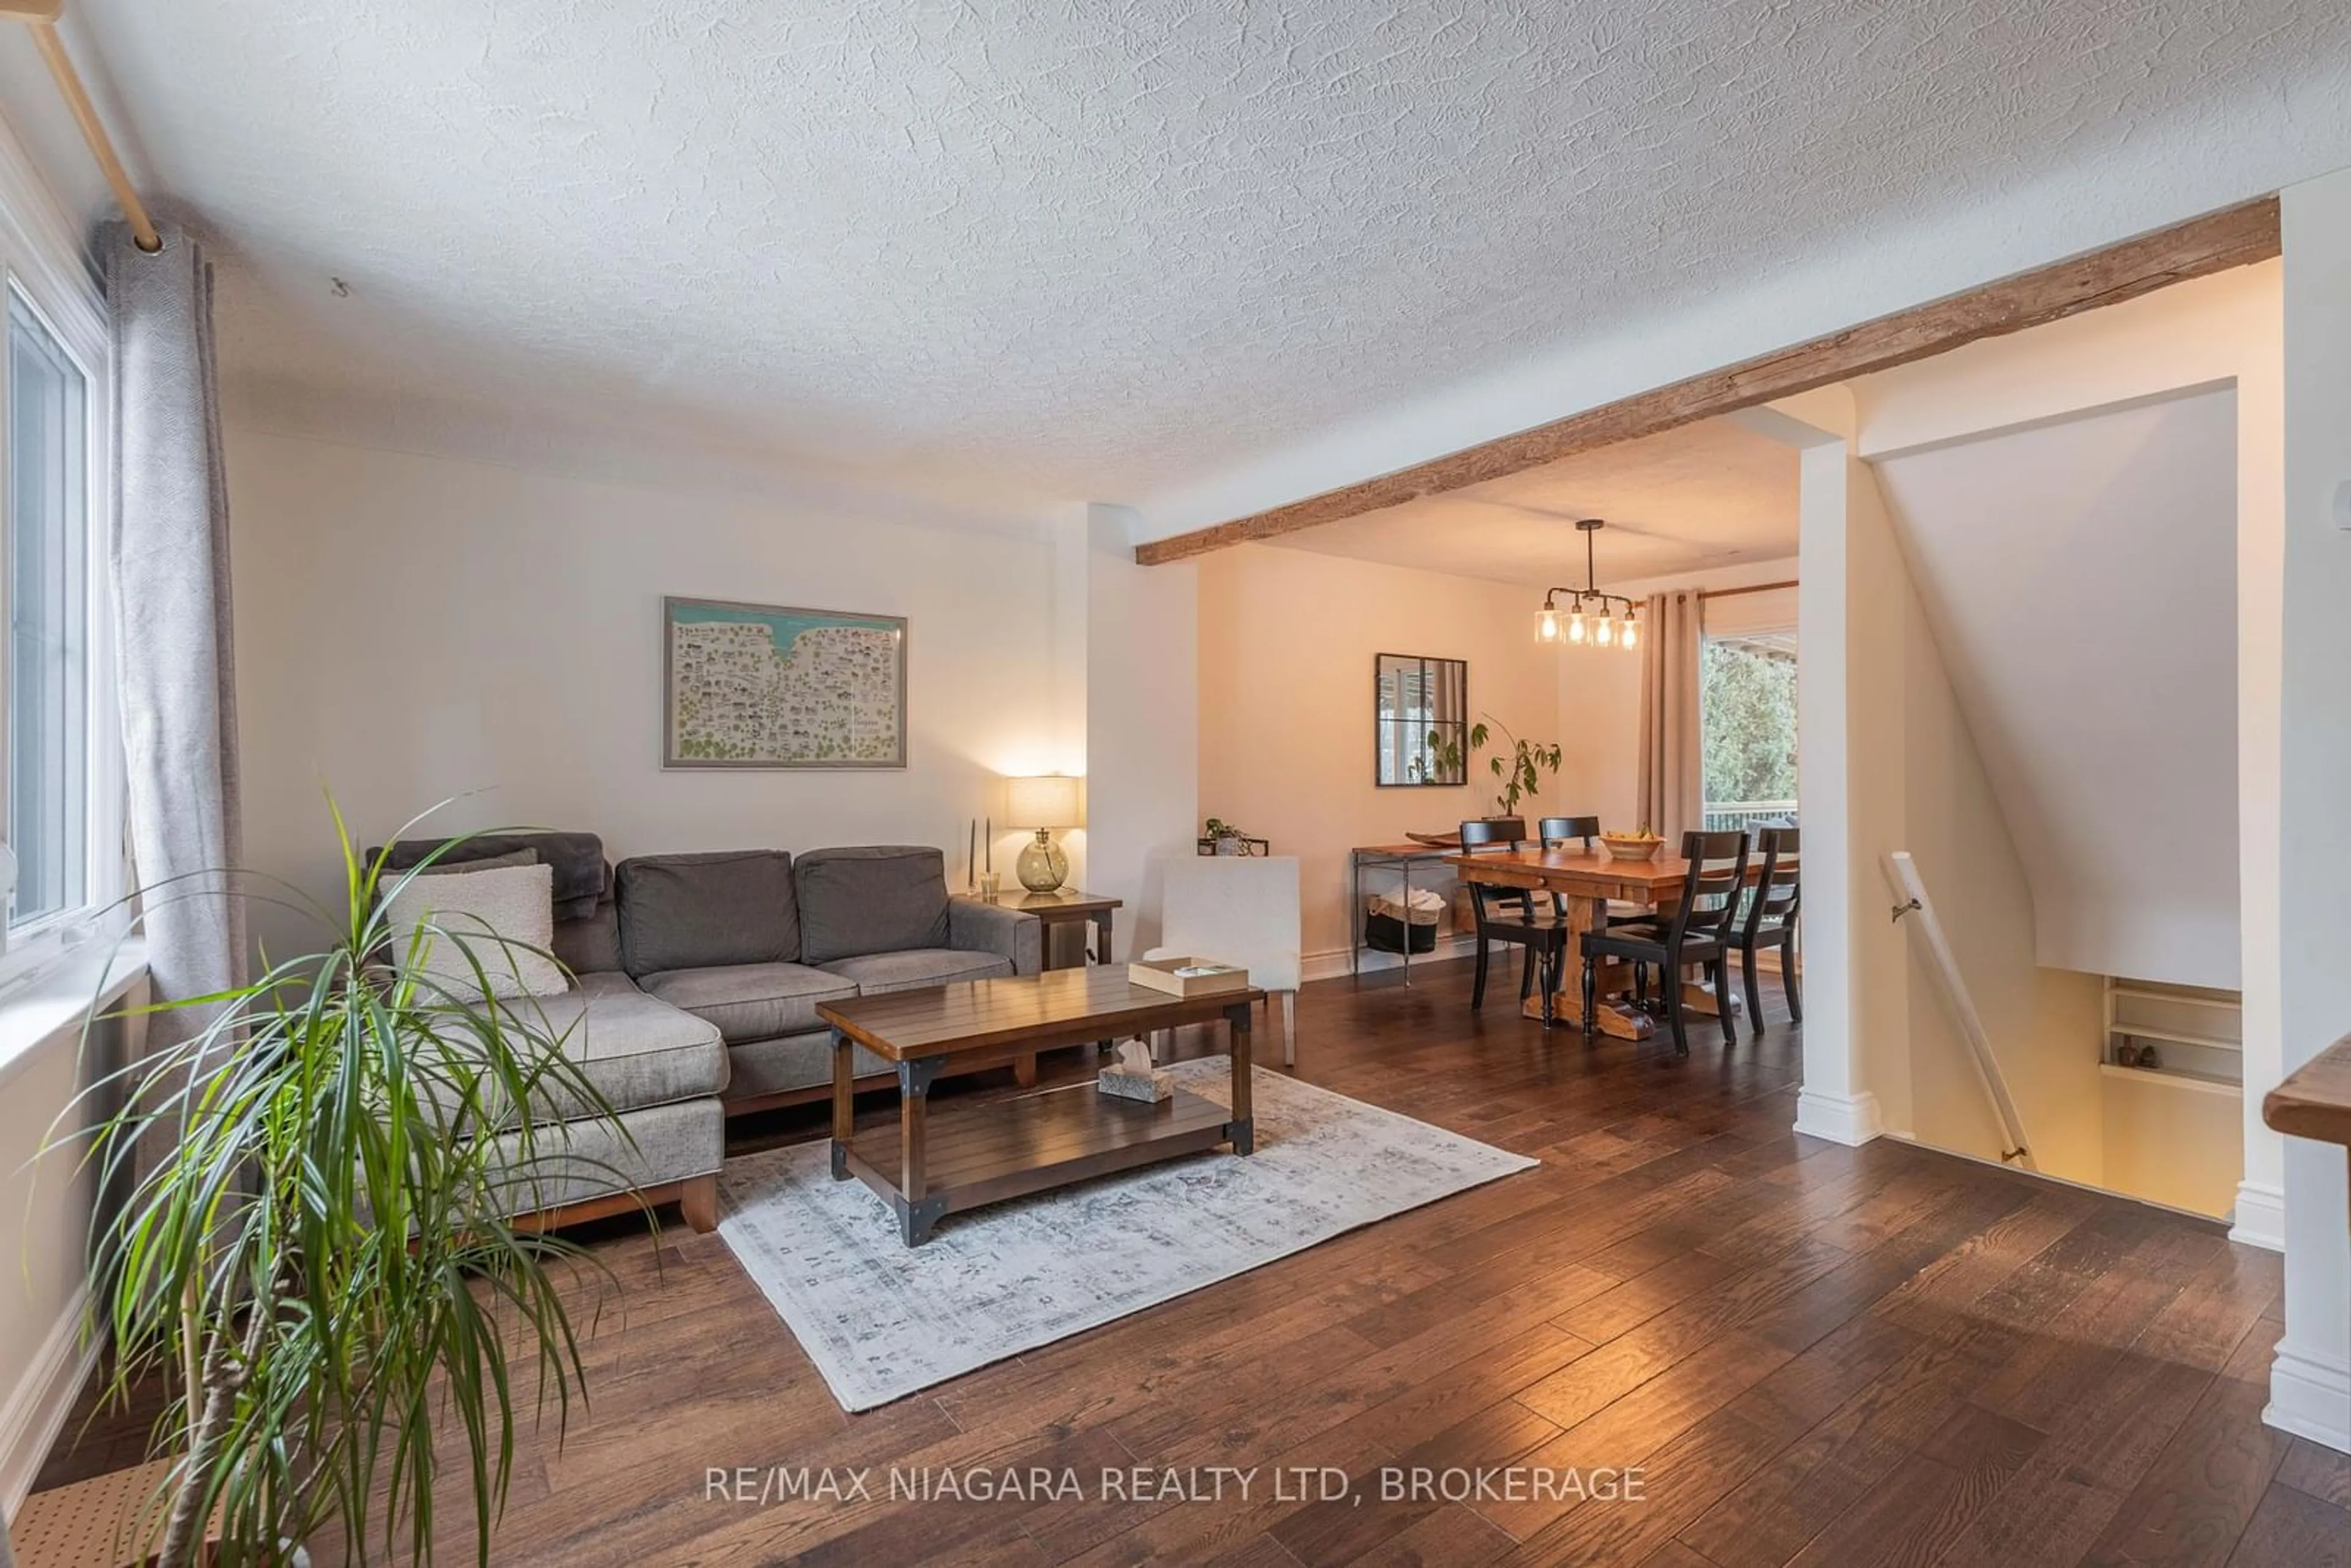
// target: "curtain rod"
[[40, 19], [1751, 587]]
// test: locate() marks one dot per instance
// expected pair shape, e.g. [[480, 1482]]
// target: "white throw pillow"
[[514, 904]]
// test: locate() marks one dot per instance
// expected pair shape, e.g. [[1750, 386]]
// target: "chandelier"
[[1590, 617]]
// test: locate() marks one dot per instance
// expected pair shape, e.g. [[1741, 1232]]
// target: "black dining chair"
[[1558, 833], [1509, 914], [1555, 831], [1698, 932], [1769, 921]]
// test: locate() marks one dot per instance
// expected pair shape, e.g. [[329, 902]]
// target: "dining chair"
[[1698, 931], [1241, 910], [1769, 921], [1509, 914], [1555, 831], [1558, 832]]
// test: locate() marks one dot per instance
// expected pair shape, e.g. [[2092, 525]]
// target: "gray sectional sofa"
[[698, 977]]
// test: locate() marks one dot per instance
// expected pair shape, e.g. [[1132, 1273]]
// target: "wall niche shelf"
[[2196, 1033]]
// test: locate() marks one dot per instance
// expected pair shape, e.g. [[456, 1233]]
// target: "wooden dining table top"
[[1593, 872]]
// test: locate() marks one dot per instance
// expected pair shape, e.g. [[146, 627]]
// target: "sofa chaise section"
[[661, 1071]]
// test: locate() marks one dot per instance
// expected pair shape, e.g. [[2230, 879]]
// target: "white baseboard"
[[1333, 964], [36, 1411], [1839, 1118], [2310, 1399], [2260, 1218]]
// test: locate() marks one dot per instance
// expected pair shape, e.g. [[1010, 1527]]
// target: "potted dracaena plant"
[[322, 1260]]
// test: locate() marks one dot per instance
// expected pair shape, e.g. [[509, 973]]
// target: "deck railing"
[[1731, 816]]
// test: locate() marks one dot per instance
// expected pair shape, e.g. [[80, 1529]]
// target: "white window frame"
[[41, 260]]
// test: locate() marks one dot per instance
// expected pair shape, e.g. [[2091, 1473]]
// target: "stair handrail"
[[1902, 876]]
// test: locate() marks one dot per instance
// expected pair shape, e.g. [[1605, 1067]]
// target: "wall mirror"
[[1420, 727]]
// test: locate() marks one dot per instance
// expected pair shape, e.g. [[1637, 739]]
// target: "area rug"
[[882, 1321]]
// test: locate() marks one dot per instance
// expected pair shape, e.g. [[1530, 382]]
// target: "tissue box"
[[1156, 1084]]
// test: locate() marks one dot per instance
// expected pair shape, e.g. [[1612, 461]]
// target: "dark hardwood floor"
[[1810, 1354]]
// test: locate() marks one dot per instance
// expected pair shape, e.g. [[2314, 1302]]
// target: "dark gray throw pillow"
[[702, 911], [487, 863], [879, 898]]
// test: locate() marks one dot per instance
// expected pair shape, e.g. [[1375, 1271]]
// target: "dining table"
[[1586, 881]]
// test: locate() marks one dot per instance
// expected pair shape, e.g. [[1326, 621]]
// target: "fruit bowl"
[[1631, 846]]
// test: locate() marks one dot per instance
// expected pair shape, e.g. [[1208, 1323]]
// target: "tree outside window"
[[1748, 702]]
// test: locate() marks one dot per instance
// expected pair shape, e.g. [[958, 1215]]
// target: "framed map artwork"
[[760, 686]]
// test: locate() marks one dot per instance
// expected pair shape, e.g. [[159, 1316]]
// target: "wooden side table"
[[1065, 906]]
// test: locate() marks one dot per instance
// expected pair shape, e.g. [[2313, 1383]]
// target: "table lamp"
[[1043, 804]]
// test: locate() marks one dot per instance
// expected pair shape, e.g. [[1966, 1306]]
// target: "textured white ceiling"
[[1706, 494], [1055, 248]]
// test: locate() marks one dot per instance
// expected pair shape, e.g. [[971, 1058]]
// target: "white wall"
[[1888, 763], [2081, 575], [1143, 731], [412, 628], [2226, 330], [1288, 639], [2310, 1383], [46, 1203], [2044, 1022]]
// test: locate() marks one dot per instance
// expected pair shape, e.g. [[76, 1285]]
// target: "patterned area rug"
[[882, 1321]]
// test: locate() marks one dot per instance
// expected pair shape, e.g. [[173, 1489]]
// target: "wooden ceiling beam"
[[2236, 237]]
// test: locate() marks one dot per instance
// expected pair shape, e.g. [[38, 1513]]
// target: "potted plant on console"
[[1521, 769]]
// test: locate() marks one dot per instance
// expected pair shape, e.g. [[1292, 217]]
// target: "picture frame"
[[782, 687]]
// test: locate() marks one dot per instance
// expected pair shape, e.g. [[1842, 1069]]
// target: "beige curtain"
[[1673, 777]]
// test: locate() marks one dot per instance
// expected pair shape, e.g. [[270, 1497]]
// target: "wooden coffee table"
[[985, 1150]]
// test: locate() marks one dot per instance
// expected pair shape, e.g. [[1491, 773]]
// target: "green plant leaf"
[[328, 1240]]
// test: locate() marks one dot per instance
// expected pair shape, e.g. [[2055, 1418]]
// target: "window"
[[1748, 704], [47, 591]]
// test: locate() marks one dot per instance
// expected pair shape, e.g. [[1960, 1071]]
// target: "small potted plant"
[[1227, 838]]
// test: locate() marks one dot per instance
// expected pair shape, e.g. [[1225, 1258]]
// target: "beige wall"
[[1287, 641]]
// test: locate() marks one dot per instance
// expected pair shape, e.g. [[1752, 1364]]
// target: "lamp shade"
[[1051, 802]]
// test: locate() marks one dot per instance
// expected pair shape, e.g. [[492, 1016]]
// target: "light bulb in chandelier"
[[1547, 625], [1631, 638], [1604, 631], [1575, 632]]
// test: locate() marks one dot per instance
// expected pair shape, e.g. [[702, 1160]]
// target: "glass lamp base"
[[1042, 867]]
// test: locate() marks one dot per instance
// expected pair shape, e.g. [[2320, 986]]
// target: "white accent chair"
[[1238, 909]]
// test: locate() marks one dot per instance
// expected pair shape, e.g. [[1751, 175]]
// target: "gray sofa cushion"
[[487, 863], [876, 898], [702, 911], [578, 1160], [764, 1067], [751, 1001], [635, 1051], [582, 878], [914, 968], [590, 945]]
